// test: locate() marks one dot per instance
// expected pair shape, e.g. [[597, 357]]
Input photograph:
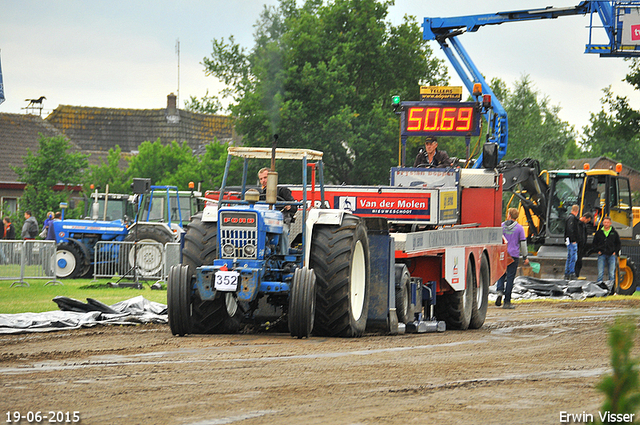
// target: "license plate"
[[226, 281]]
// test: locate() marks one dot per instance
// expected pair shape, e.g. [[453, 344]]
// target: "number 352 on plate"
[[226, 280]]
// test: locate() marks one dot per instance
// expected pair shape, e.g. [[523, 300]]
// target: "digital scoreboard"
[[440, 119]]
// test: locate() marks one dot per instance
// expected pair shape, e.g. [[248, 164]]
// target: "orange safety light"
[[618, 167], [477, 89], [586, 166], [191, 185], [92, 186]]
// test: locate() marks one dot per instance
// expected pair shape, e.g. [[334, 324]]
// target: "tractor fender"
[[319, 216], [162, 226], [210, 213]]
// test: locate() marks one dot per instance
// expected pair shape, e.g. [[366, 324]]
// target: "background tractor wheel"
[[340, 258], [403, 290], [179, 289], [70, 262], [481, 296], [223, 314], [149, 257], [302, 303], [629, 281], [455, 308]]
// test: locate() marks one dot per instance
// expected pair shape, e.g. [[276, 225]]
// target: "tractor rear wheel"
[[200, 242], [302, 303], [629, 281], [70, 262], [179, 289], [340, 258], [403, 291], [481, 296], [455, 308], [222, 314]]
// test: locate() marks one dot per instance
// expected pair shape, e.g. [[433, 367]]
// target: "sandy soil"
[[525, 366]]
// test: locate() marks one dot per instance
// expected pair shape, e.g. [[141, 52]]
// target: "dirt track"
[[524, 366]]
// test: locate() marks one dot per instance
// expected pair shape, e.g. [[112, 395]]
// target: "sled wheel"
[[455, 308], [302, 303], [403, 289], [481, 298]]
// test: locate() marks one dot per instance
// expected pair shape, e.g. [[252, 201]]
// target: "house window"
[[9, 205]]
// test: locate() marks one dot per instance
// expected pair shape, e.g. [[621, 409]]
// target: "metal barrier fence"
[[31, 259], [149, 260]]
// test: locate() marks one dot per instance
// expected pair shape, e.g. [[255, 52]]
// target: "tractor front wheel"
[[179, 289], [302, 303]]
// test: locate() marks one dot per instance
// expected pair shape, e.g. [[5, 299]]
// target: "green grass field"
[[37, 297]]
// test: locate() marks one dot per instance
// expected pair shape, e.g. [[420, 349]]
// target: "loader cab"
[[600, 192], [607, 193]]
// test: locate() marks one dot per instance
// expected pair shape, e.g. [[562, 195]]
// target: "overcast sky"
[[122, 54]]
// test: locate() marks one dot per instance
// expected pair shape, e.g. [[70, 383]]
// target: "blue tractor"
[[106, 220], [111, 217], [237, 267]]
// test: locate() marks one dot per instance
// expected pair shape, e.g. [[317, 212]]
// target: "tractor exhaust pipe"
[[272, 176]]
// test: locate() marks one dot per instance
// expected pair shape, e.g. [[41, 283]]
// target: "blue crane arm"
[[445, 31], [438, 27]]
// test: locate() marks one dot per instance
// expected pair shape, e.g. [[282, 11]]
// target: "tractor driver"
[[284, 194], [431, 156]]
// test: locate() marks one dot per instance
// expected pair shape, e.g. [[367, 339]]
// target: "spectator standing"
[[30, 226], [582, 243], [51, 234], [571, 238], [9, 229], [45, 226], [516, 247], [606, 242], [9, 233]]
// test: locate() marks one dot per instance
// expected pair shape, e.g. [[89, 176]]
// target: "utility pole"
[[178, 53]]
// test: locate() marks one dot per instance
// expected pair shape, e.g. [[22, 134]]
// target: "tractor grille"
[[238, 234], [241, 241]]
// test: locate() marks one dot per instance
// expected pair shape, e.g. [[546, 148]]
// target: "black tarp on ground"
[[525, 288], [75, 314]]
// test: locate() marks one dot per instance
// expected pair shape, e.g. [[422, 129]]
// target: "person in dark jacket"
[[606, 242], [9, 229], [582, 243], [9, 233], [431, 156], [288, 211], [571, 237], [51, 233], [30, 226], [513, 232]]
